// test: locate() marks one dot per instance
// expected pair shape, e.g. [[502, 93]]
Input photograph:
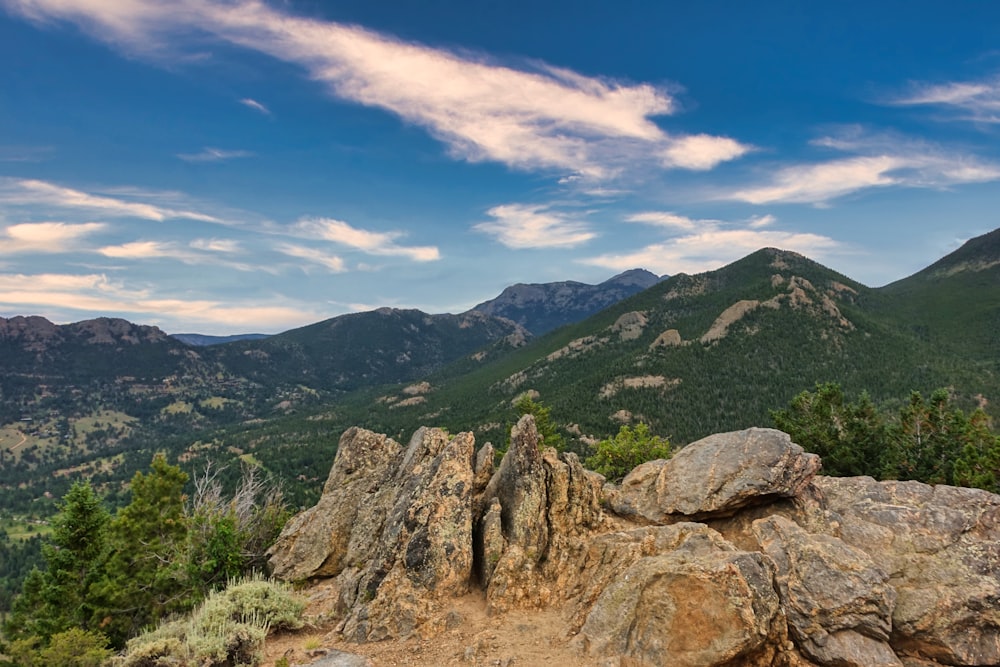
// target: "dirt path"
[[521, 639]]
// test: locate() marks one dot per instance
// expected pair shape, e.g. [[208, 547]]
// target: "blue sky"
[[229, 166]]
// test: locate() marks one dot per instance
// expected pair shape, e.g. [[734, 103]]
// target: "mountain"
[[542, 307], [697, 354], [954, 303], [202, 340]]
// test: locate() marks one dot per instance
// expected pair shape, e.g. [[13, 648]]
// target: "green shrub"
[[616, 457]]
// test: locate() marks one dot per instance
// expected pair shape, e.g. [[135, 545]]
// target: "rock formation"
[[734, 552]]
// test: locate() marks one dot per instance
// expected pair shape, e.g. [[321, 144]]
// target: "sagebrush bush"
[[227, 630]]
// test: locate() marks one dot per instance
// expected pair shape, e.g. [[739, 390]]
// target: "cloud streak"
[[537, 117], [209, 154], [255, 105], [372, 243], [32, 192], [884, 161], [977, 101]]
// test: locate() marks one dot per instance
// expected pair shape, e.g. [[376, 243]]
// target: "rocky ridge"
[[734, 552]]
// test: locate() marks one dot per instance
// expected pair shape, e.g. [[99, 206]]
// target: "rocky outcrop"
[[734, 552], [716, 476]]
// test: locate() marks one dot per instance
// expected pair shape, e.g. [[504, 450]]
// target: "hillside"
[[711, 352]]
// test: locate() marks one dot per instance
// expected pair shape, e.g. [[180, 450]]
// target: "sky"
[[232, 166]]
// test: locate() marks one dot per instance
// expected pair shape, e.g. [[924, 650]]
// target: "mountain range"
[[689, 355]]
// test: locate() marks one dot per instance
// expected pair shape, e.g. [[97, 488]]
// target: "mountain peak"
[[542, 307]]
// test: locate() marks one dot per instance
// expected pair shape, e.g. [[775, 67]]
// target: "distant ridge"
[[202, 340], [542, 307]]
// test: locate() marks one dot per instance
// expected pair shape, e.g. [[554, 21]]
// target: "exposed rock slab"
[[941, 547], [716, 476], [837, 601]]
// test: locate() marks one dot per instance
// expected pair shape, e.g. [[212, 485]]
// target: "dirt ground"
[[517, 639]]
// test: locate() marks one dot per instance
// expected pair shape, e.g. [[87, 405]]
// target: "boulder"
[[716, 476], [837, 601], [693, 600]]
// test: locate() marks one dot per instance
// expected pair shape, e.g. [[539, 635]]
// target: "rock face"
[[716, 476], [733, 553]]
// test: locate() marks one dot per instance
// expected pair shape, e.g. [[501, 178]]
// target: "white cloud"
[[534, 226], [31, 192], [333, 263], [700, 152], [64, 298], [373, 243], [209, 154], [977, 101], [539, 117], [46, 237], [711, 249], [255, 105]]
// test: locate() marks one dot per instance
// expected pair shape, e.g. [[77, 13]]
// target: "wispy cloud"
[[65, 297], [372, 243], [533, 117], [255, 105], [977, 101], [209, 154], [31, 192], [711, 248], [534, 226], [45, 237], [198, 251], [332, 263], [884, 160], [665, 219]]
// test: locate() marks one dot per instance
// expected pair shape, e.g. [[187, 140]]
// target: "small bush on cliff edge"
[[615, 457]]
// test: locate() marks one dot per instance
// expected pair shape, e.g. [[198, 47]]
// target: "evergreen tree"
[[549, 434], [145, 570], [851, 438], [59, 597]]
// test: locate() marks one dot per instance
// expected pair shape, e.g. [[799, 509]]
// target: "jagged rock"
[[314, 543], [941, 547], [547, 502], [838, 603], [679, 595], [716, 476], [404, 539]]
